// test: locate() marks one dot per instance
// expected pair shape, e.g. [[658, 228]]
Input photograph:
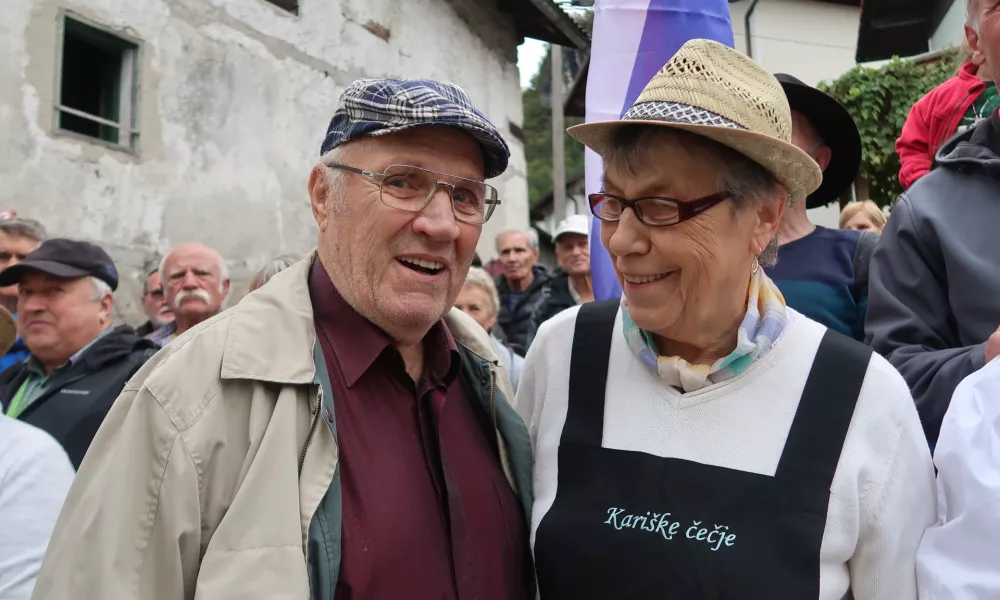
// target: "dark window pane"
[[291, 6], [91, 79]]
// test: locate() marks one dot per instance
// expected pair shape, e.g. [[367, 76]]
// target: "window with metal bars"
[[97, 84]]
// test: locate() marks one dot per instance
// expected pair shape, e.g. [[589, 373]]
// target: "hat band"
[[676, 112]]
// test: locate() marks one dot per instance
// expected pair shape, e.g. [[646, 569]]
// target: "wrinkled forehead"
[[660, 167], [513, 240], [434, 147], [193, 258]]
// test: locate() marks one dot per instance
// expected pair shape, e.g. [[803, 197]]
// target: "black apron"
[[630, 525]]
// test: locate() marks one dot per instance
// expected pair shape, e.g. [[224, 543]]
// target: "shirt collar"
[[358, 343]]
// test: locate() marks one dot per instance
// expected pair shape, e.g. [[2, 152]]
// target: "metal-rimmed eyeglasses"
[[409, 188], [653, 211]]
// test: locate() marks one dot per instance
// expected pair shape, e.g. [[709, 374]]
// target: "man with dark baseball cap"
[[341, 432], [79, 363]]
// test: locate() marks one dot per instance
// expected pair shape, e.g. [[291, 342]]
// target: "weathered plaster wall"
[[234, 101]]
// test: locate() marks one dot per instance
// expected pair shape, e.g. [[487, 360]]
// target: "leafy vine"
[[879, 99]]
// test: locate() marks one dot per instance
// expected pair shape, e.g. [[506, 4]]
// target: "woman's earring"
[[755, 266]]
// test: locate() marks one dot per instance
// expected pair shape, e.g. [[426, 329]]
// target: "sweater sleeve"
[[896, 508], [909, 317], [33, 486], [914, 144]]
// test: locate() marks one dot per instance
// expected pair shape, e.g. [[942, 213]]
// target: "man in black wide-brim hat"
[[823, 273]]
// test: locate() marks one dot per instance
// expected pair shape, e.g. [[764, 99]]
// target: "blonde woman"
[[479, 299], [863, 216]]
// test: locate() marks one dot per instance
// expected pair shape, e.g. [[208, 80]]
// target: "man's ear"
[[318, 193], [107, 304], [822, 156]]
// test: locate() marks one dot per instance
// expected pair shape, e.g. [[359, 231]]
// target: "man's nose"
[[437, 220], [32, 303], [190, 281]]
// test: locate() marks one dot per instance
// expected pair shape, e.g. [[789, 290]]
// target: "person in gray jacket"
[[934, 298]]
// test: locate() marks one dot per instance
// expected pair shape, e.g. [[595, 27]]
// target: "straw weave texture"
[[709, 76]]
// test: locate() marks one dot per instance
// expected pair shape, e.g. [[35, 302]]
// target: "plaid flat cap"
[[383, 106]]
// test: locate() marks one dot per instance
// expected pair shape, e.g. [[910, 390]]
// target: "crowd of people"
[[381, 419]]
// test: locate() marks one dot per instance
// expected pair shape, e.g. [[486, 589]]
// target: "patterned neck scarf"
[[765, 319]]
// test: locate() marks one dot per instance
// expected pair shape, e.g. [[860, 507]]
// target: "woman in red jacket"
[[954, 106]]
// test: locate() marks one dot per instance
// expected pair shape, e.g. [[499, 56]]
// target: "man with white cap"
[[570, 284]]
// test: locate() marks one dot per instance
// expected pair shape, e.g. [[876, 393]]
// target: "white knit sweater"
[[882, 496]]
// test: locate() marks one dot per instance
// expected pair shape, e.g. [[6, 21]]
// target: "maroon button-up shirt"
[[427, 512]]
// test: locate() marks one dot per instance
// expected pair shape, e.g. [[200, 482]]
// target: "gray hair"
[[223, 269], [23, 228], [747, 182], [971, 15], [101, 288], [529, 233], [481, 279], [271, 269], [333, 178]]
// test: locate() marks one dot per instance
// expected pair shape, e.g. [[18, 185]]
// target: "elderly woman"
[[863, 216], [699, 439], [479, 299]]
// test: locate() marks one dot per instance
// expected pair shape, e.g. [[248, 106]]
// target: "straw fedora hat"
[[716, 92]]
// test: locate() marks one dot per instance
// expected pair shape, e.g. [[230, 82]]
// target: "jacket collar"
[[271, 333]]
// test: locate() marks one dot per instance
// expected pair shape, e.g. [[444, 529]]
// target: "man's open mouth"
[[427, 267]]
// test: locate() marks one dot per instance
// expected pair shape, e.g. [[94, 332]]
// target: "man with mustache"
[[154, 304], [342, 432], [195, 284], [79, 361]]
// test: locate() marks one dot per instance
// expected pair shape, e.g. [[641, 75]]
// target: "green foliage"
[[538, 125], [880, 100], [538, 145]]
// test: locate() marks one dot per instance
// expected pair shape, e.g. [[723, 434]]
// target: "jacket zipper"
[[496, 430], [953, 124], [312, 427]]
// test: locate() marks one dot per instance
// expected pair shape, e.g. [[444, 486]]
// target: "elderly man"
[[570, 284], [823, 273], [18, 237], [520, 286], [154, 305], [196, 283], [935, 283], [79, 362], [341, 432]]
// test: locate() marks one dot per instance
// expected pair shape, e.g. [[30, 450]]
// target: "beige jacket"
[[204, 477]]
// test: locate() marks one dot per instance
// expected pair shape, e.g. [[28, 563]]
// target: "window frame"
[[294, 11], [129, 88]]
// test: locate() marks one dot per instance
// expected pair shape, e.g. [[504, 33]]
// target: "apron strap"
[[588, 372], [816, 439]]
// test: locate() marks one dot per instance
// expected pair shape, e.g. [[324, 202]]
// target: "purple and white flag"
[[633, 39]]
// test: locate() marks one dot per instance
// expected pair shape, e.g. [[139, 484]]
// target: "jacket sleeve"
[[957, 557], [131, 526], [914, 145], [909, 319]]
